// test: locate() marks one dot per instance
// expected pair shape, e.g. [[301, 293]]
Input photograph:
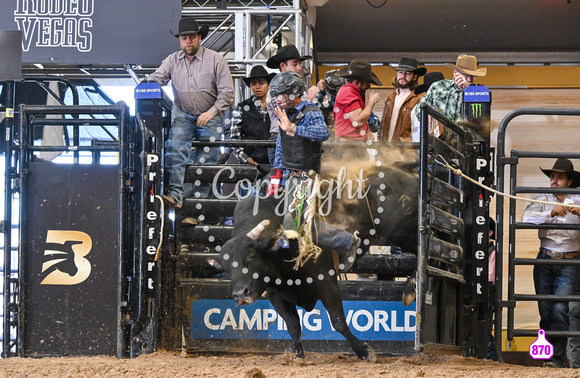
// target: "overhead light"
[[38, 65], [85, 71]]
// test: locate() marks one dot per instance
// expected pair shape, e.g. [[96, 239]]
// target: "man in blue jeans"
[[203, 89], [556, 244]]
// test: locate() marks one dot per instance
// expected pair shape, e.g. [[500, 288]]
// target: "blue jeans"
[[183, 131], [557, 280], [574, 342]]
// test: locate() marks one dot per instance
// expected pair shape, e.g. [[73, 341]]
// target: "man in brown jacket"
[[396, 122]]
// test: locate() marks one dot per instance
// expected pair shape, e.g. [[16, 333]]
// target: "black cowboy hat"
[[187, 25], [258, 72], [429, 79], [565, 166], [283, 54], [409, 64], [361, 70]]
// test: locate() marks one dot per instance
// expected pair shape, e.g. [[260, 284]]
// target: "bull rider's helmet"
[[285, 87]]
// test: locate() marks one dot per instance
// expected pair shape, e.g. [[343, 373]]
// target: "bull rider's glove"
[[275, 179]]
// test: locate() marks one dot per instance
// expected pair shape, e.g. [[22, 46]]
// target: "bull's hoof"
[[372, 357], [367, 353], [298, 354]]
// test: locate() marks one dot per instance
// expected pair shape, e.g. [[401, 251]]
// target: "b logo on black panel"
[[64, 257]]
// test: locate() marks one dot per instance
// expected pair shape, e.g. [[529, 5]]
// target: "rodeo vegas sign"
[[93, 32]]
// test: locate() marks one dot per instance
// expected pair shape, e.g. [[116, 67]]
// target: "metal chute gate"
[[453, 240], [452, 311], [514, 297]]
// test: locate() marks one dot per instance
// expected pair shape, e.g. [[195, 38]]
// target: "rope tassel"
[[308, 249]]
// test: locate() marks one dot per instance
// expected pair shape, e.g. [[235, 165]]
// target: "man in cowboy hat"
[[351, 114], [556, 244], [445, 95], [203, 89], [288, 59], [250, 118], [396, 122]]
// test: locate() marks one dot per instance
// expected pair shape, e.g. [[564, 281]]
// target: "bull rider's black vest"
[[255, 125], [300, 153]]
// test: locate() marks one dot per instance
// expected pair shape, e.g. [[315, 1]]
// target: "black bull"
[[258, 266]]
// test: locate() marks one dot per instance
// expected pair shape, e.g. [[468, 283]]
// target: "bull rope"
[[162, 216], [308, 249], [439, 159]]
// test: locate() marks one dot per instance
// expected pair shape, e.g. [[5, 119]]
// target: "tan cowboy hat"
[[361, 70], [467, 64], [565, 166]]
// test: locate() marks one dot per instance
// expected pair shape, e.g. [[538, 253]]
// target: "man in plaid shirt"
[[445, 95]]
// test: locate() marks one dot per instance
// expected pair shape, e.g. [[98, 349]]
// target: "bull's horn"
[[255, 233]]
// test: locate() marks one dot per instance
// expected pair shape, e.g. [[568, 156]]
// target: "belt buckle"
[[552, 254]]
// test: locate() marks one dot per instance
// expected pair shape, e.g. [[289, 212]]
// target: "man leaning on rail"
[[203, 89], [556, 244]]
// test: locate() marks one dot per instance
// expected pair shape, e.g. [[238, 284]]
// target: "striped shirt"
[[201, 85]]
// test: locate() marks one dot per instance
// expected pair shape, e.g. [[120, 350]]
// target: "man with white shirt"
[[556, 244], [396, 122]]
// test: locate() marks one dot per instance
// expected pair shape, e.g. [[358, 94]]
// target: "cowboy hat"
[[467, 64], [258, 72], [283, 54], [409, 64], [361, 70], [429, 79], [187, 25], [565, 166]]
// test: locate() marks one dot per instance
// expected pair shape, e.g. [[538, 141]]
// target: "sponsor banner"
[[477, 93], [147, 90], [153, 220], [93, 32], [368, 320], [481, 232], [71, 260]]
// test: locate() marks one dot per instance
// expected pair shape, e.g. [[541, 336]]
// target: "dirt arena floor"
[[164, 364]]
